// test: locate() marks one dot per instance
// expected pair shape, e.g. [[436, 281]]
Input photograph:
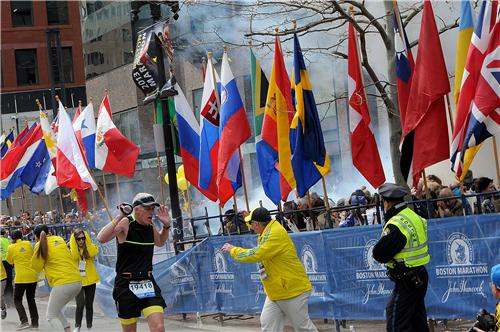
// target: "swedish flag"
[[6, 143], [309, 157]]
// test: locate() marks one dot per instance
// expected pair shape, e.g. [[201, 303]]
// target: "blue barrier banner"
[[347, 282]]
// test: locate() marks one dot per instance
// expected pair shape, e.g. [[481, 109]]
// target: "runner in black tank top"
[[135, 289]]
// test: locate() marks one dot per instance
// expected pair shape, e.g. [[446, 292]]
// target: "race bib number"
[[142, 289], [81, 266]]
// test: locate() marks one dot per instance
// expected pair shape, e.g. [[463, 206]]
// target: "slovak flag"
[[113, 152], [189, 140], [209, 132], [84, 126], [234, 130], [71, 169]]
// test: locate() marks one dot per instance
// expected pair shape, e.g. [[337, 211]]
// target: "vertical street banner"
[[145, 68]]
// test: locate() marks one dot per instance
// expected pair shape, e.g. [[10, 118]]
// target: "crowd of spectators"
[[310, 213]]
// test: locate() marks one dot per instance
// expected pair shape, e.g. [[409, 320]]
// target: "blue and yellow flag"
[[309, 157], [465, 30], [6, 143]]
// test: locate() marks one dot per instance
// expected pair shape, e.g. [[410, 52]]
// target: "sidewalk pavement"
[[192, 322]]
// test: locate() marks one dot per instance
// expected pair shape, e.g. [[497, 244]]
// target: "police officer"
[[403, 247]]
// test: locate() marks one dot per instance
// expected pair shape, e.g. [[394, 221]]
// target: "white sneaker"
[[23, 326], [77, 329]]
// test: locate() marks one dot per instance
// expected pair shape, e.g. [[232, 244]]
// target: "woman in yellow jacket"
[[3, 280], [83, 252], [19, 254], [52, 255]]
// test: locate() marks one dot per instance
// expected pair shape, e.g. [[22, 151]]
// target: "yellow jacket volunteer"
[[19, 254], [89, 276], [3, 273], [60, 268], [285, 276]]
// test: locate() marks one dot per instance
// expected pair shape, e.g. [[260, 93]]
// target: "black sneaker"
[[4, 313]]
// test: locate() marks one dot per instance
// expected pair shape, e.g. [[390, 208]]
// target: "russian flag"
[[189, 139], [84, 127], [234, 130], [16, 159], [209, 133]]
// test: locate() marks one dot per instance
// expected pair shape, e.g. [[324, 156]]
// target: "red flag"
[[114, 152], [426, 112], [365, 154], [81, 200]]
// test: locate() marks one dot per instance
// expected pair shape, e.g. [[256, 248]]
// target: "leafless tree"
[[320, 17]]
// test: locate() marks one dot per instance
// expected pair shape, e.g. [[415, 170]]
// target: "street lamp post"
[[167, 126]]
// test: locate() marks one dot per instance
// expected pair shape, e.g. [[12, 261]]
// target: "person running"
[[19, 254], [135, 288], [83, 252], [285, 281], [52, 255]]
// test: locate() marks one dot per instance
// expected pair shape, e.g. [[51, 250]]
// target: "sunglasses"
[[80, 238]]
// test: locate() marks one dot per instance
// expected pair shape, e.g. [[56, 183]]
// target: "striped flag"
[[234, 130], [309, 157], [276, 170], [472, 72], [363, 145]]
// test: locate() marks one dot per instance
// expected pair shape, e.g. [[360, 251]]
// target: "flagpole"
[[61, 201], [104, 184], [244, 180], [158, 163], [448, 104], [118, 187], [495, 152], [189, 203], [104, 201]]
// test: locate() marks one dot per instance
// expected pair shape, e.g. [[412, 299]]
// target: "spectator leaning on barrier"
[[284, 279], [485, 185], [450, 207], [403, 247], [135, 288]]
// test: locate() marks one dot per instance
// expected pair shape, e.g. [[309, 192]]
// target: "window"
[[197, 95], [21, 13], [127, 122], [67, 65], [26, 67], [57, 12]]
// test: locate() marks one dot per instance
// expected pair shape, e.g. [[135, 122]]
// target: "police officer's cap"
[[392, 191]]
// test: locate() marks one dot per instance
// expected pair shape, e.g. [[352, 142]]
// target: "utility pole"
[[167, 125]]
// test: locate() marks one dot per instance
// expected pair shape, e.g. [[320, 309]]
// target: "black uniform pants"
[[406, 309], [30, 289], [85, 299]]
